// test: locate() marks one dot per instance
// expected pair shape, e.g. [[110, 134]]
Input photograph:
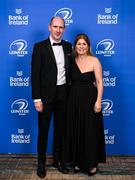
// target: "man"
[[50, 77]]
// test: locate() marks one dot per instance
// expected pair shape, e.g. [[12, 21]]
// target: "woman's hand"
[[97, 107]]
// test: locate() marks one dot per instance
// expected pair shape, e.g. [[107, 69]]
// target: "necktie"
[[57, 44]]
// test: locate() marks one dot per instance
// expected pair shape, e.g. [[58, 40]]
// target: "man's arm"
[[35, 78], [35, 72]]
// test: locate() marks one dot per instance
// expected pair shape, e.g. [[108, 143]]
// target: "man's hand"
[[38, 106]]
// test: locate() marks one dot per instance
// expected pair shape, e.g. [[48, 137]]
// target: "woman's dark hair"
[[86, 38]]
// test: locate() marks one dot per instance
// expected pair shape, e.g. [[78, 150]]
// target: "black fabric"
[[44, 69], [58, 107], [43, 81], [83, 138], [57, 44]]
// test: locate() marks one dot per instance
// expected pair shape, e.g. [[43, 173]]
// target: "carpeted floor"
[[24, 167]]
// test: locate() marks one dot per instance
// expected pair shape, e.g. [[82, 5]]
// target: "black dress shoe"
[[41, 171], [62, 168], [55, 164]]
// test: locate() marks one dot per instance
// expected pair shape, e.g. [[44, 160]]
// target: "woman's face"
[[81, 47]]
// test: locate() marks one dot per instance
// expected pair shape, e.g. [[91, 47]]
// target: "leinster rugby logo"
[[19, 106], [105, 47], [66, 14], [107, 105], [18, 47]]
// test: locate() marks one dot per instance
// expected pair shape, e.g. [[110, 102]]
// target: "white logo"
[[19, 106], [19, 73], [18, 47], [18, 11], [108, 17], [105, 47], [108, 10], [20, 131], [109, 139], [107, 104], [18, 19], [107, 44], [107, 80], [66, 14], [19, 81], [20, 137], [107, 107], [106, 73]]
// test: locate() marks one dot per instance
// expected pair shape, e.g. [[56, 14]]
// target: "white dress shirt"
[[60, 62]]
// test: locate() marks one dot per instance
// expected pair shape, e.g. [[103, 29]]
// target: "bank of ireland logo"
[[18, 10], [19, 80], [20, 107], [66, 14], [107, 106], [20, 137], [18, 19], [108, 10], [18, 48], [109, 80], [108, 17], [105, 47]]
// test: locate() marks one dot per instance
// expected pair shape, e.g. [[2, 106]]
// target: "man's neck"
[[54, 40]]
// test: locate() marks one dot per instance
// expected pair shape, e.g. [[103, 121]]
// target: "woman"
[[83, 145]]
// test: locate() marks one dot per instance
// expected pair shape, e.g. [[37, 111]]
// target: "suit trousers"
[[58, 108]]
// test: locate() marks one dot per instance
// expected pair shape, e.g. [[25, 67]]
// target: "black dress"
[[83, 138]]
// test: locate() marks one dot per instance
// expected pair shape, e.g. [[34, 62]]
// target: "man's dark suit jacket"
[[44, 69]]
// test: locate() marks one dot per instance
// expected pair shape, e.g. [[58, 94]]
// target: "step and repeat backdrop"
[[110, 24]]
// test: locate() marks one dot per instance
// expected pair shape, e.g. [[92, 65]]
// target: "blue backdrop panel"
[[111, 28]]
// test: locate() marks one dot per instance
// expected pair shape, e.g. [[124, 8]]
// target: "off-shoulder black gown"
[[83, 137]]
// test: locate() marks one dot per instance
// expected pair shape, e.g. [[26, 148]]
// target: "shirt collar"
[[52, 41]]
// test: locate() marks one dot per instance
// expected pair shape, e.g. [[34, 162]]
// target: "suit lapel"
[[65, 54], [49, 47]]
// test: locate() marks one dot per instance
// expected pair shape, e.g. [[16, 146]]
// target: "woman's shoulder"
[[93, 59]]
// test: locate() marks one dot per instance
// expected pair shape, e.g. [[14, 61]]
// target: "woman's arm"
[[99, 83]]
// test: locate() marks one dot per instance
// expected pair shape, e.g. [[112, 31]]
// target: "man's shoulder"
[[66, 42], [41, 43]]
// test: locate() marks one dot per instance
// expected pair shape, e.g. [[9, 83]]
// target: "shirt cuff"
[[37, 100]]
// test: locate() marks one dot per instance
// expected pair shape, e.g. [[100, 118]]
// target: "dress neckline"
[[81, 71]]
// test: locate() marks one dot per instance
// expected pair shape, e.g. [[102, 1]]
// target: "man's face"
[[56, 29]]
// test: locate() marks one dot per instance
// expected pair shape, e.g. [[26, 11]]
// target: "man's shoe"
[[55, 164], [62, 168], [41, 171]]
